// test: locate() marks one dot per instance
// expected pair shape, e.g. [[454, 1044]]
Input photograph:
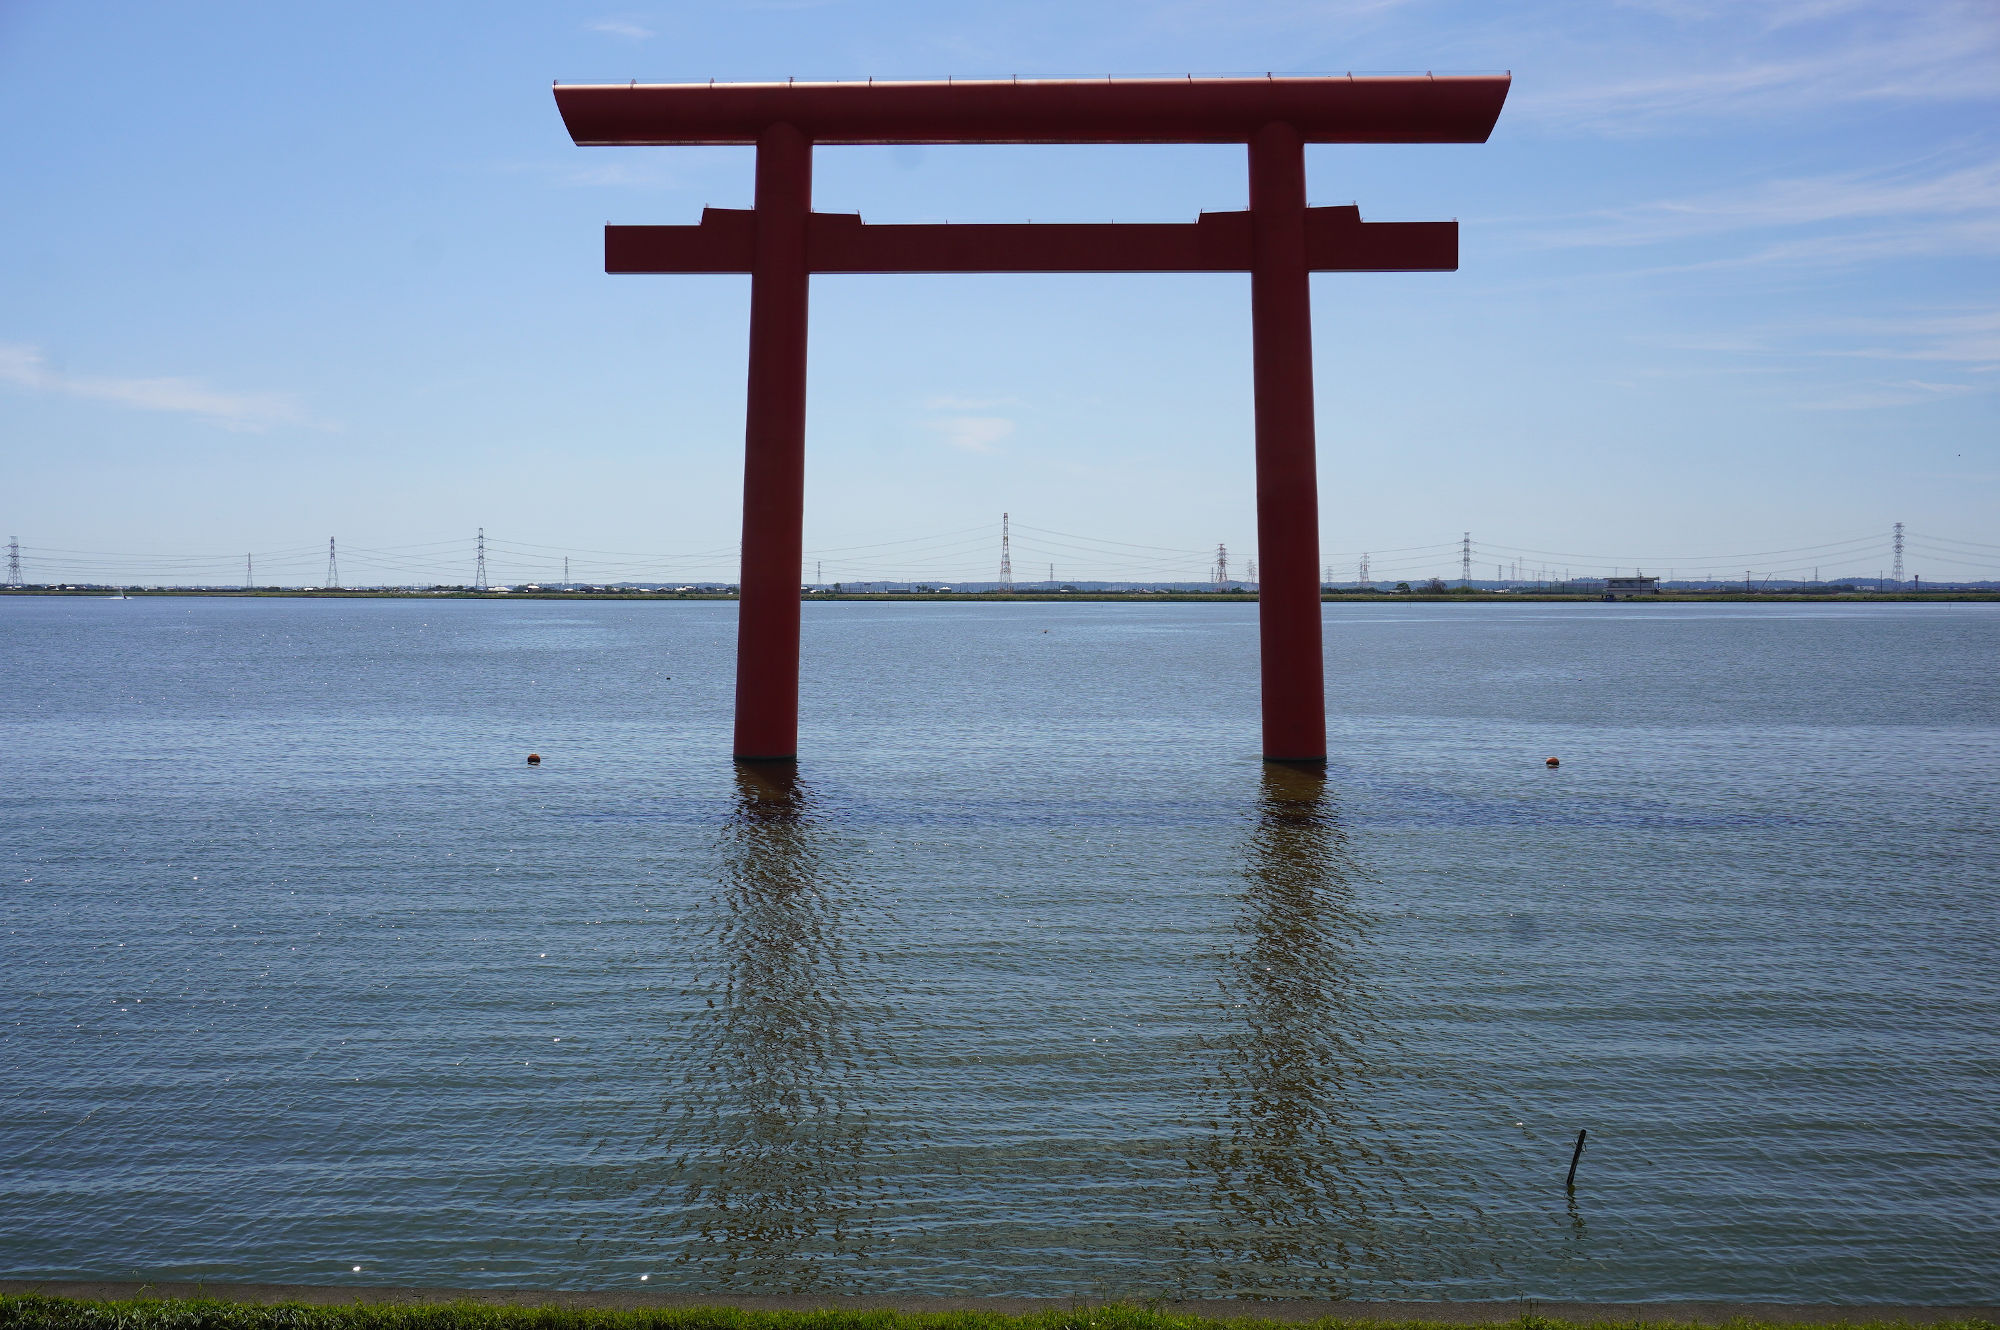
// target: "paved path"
[[1458, 1313]]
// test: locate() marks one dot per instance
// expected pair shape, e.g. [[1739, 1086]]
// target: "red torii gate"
[[1279, 241]]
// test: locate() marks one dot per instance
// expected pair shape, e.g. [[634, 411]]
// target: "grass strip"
[[34, 1312]]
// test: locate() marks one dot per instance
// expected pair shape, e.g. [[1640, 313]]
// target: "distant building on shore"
[[1624, 588]]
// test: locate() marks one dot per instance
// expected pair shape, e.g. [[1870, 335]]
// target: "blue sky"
[[1730, 286]]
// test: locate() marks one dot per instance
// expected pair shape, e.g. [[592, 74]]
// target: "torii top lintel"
[[1399, 109]]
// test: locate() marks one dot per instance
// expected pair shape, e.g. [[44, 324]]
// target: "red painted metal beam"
[[1288, 608], [1419, 109], [1336, 240], [726, 241], [1218, 242], [774, 455]]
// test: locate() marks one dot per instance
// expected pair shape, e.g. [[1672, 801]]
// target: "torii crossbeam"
[[1279, 242]]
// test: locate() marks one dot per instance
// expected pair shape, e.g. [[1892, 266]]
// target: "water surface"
[[1031, 979]]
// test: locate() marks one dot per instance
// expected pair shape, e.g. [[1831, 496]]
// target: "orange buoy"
[[1554, 761], [535, 759]]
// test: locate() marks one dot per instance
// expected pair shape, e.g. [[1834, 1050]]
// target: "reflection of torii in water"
[[1279, 241], [768, 1126], [1299, 1173]]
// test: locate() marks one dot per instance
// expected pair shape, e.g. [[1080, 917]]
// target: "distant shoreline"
[[1002, 598]]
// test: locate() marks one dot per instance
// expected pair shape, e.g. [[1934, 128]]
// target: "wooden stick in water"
[[1570, 1185]]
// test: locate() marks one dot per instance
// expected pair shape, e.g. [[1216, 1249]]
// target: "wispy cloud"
[[1970, 339], [1925, 209], [1848, 363], [1885, 394], [643, 175], [973, 434], [622, 168], [26, 367], [1849, 197], [621, 27], [949, 402], [1730, 61], [1236, 15], [1825, 364]]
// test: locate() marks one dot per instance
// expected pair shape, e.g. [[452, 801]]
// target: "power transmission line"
[[956, 557], [1007, 558]]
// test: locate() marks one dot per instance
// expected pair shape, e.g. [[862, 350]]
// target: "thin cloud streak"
[[1827, 252], [1807, 201], [1283, 15], [973, 434], [1873, 397], [1874, 54], [1931, 210], [1970, 339], [616, 27], [26, 367], [623, 168], [949, 402]]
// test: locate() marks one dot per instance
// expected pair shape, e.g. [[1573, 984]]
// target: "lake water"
[[1033, 980]]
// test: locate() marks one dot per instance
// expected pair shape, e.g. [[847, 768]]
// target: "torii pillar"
[[1280, 242], [1281, 366], [774, 454]]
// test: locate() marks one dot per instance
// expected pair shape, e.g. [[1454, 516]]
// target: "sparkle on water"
[[1030, 979]]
